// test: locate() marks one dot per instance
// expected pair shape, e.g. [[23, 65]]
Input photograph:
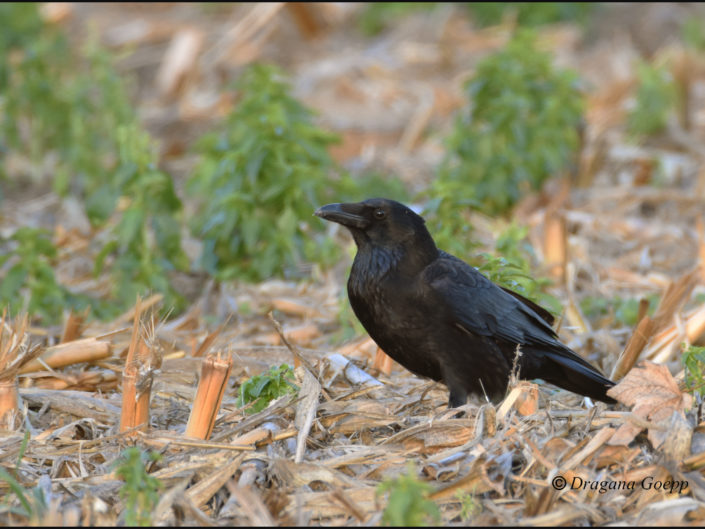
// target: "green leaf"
[[656, 99], [264, 388], [140, 490], [408, 504], [694, 364], [258, 181], [130, 226]]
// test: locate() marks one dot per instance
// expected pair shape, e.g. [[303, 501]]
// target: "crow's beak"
[[349, 215]]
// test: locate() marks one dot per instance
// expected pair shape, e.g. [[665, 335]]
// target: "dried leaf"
[[653, 392], [676, 446]]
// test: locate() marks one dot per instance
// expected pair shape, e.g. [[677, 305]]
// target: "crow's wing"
[[478, 306], [538, 309], [481, 307]]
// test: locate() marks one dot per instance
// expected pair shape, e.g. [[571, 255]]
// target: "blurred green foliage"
[[694, 365], [33, 502], [60, 106], [69, 115], [531, 13], [263, 389], [521, 126], [34, 112], [623, 310], [470, 506], [140, 491], [693, 32], [371, 184], [29, 254], [22, 27], [146, 241], [408, 504], [100, 108], [656, 100], [21, 24], [259, 180], [377, 16]]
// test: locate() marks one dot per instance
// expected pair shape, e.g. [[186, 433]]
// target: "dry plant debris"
[[630, 224], [211, 388], [656, 399], [15, 353]]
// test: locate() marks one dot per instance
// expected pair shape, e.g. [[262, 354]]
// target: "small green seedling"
[[33, 502], [140, 491], [264, 388], [656, 100], [469, 506], [408, 504], [694, 365]]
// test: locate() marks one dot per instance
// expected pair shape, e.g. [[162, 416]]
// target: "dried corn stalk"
[[215, 372], [15, 352], [143, 358]]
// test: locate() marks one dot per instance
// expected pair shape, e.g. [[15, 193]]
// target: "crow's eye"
[[380, 214]]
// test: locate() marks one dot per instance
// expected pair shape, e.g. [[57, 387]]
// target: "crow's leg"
[[458, 396]]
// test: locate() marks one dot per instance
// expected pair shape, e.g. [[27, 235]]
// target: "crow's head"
[[380, 222]]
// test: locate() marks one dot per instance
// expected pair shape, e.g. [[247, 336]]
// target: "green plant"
[[469, 506], [70, 112], [531, 13], [22, 25], [33, 61], [593, 306], [29, 278], [140, 491], [521, 127], [100, 108], [624, 311], [694, 364], [693, 34], [146, 242], [33, 502], [259, 179], [511, 267], [408, 504], [377, 16], [60, 109], [264, 388], [656, 99]]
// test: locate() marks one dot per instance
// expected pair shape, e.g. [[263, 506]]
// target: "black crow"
[[441, 318]]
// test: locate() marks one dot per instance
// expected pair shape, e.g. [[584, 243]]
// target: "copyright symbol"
[[558, 483]]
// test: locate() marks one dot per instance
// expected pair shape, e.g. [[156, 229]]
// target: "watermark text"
[[602, 486]]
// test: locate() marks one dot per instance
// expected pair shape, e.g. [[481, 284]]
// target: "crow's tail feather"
[[574, 374]]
